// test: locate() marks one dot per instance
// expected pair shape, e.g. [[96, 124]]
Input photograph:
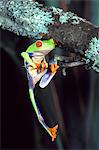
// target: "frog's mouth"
[[44, 52], [37, 57]]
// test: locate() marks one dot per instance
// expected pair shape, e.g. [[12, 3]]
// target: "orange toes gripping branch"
[[44, 65], [54, 67], [41, 67], [53, 132]]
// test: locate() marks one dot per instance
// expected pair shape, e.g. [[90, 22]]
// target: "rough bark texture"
[[74, 37]]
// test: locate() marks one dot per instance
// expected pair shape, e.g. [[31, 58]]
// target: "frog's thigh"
[[32, 72]]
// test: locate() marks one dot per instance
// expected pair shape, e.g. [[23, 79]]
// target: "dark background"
[[70, 101]]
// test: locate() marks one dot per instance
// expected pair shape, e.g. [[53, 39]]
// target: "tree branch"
[[28, 18]]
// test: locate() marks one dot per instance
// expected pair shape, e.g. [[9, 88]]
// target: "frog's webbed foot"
[[42, 66], [53, 132], [53, 68]]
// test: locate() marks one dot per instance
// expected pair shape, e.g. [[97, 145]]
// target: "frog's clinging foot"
[[53, 68], [53, 132], [41, 66]]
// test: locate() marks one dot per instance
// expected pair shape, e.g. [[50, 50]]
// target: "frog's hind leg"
[[51, 131]]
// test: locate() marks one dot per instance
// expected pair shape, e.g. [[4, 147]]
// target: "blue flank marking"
[[30, 54]]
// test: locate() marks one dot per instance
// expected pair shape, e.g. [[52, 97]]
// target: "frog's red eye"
[[39, 43]]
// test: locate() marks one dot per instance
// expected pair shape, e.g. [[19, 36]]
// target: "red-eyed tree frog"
[[38, 69]]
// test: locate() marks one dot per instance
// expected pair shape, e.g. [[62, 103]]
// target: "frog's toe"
[[53, 68], [53, 132]]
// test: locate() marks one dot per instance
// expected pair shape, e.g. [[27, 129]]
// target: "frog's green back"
[[32, 48]]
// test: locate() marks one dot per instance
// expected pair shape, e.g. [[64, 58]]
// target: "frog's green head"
[[43, 46]]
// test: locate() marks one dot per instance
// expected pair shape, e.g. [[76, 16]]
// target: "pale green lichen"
[[70, 17], [92, 54], [57, 10], [66, 17], [28, 18]]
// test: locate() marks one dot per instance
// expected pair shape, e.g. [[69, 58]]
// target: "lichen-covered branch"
[[26, 18], [72, 33]]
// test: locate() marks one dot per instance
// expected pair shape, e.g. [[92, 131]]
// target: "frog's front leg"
[[47, 77]]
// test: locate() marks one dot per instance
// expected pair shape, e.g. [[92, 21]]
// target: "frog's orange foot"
[[53, 132], [41, 67], [44, 65], [54, 67]]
